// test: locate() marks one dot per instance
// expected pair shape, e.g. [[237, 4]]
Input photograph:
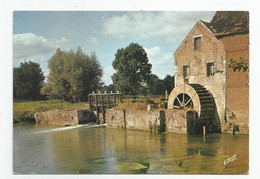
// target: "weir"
[[99, 102]]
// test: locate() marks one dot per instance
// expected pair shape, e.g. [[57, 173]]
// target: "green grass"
[[23, 111], [140, 103]]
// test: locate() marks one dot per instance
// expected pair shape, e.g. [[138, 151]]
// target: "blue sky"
[[37, 34]]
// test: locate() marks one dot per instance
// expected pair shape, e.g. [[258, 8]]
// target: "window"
[[210, 69], [186, 71], [197, 43]]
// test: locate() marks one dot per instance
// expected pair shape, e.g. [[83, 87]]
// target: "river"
[[100, 150]]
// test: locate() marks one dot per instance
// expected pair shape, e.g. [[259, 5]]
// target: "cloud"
[[62, 40], [162, 62], [145, 25], [108, 72], [152, 51], [29, 44], [163, 65]]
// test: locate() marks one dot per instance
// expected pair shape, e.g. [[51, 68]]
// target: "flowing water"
[[100, 150]]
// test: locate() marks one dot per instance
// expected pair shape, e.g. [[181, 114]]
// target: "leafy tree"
[[106, 88], [169, 82], [156, 86], [27, 81], [73, 75], [132, 69]]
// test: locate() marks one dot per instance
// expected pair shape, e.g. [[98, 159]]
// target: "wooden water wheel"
[[193, 97]]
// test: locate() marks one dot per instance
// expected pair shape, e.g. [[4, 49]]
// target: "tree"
[[132, 67], [73, 75], [107, 89], [27, 81], [169, 83], [156, 86]]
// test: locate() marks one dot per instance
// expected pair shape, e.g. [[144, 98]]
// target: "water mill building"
[[212, 73]]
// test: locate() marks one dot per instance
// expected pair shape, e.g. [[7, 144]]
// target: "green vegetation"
[[133, 73], [28, 81], [134, 167], [239, 64], [235, 128], [141, 102], [155, 85], [132, 68], [169, 83], [73, 75], [24, 110], [158, 86]]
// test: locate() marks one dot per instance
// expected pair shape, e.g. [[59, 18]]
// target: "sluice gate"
[[99, 102]]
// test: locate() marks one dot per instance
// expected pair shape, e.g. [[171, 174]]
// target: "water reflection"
[[102, 150]]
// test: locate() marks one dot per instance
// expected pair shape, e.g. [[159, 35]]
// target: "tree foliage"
[[27, 81], [239, 64], [73, 75], [132, 67], [158, 86], [169, 83], [155, 85]]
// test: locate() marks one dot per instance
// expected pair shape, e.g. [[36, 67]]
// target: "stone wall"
[[176, 121], [136, 119], [212, 50], [64, 118], [157, 120], [115, 118]]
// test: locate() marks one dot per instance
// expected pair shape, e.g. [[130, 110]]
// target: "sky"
[[37, 35]]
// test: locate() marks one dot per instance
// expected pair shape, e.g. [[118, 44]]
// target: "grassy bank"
[[23, 110], [140, 102]]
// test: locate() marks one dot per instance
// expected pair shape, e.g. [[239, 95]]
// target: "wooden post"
[[96, 102], [102, 107], [108, 103], [124, 119], [97, 116], [114, 100], [204, 130], [102, 102], [90, 102]]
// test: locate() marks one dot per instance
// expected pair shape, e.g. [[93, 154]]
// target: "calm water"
[[87, 150]]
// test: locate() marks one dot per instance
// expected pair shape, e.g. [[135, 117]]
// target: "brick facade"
[[237, 84]]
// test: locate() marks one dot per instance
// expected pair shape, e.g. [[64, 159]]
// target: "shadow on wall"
[[215, 125], [195, 125]]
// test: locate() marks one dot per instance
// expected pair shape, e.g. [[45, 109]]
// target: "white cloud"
[[62, 40], [152, 51], [29, 44], [144, 25], [162, 62], [163, 65], [108, 72]]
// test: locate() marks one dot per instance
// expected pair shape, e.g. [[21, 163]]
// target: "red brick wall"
[[237, 83]]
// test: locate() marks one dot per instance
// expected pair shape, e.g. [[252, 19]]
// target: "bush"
[[23, 117]]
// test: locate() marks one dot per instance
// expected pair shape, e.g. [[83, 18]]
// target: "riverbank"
[[23, 111]]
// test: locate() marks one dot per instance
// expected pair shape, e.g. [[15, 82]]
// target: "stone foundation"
[[64, 118], [157, 121]]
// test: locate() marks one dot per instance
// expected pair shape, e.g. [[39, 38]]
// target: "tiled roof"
[[227, 23]]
